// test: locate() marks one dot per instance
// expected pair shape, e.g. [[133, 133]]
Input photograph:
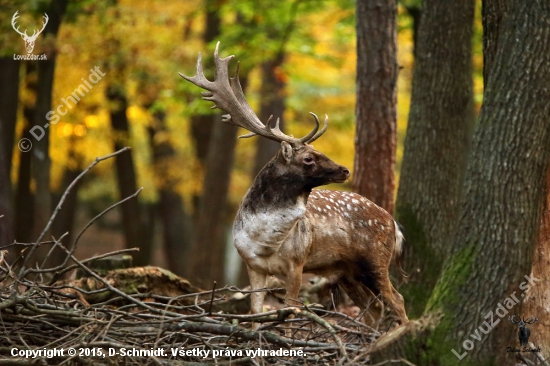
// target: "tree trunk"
[[64, 222], [202, 124], [175, 221], [24, 198], [272, 103], [436, 145], [6, 208], [207, 255], [537, 299], [493, 245], [133, 220], [9, 97], [375, 138], [40, 158]]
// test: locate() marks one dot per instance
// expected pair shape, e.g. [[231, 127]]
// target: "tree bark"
[[9, 97], [493, 15], [439, 129], [537, 299], [375, 134], [493, 245]]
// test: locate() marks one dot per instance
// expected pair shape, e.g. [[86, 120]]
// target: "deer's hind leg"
[[363, 297], [391, 297]]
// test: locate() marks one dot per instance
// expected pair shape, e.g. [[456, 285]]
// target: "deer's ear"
[[287, 151]]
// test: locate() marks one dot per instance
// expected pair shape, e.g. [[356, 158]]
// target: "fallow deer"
[[285, 228]]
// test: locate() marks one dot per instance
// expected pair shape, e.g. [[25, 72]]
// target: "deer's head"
[[299, 160], [29, 40]]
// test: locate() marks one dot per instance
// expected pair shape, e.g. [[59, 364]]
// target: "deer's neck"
[[275, 189], [271, 208]]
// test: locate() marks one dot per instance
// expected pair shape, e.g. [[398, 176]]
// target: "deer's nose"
[[346, 172]]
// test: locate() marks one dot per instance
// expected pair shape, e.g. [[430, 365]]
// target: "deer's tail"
[[398, 249]]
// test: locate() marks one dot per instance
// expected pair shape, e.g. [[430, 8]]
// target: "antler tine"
[[321, 131], [199, 79], [310, 135], [512, 319], [252, 134]]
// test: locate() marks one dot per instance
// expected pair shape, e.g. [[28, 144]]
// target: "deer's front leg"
[[293, 283], [257, 280]]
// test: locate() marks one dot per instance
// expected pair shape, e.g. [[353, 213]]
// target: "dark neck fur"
[[274, 187]]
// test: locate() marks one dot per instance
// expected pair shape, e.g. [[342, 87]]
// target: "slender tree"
[[40, 158], [65, 219], [137, 229], [176, 223], [376, 114], [24, 198], [207, 255], [9, 93], [438, 133]]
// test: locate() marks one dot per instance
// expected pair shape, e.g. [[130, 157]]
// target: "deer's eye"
[[308, 160]]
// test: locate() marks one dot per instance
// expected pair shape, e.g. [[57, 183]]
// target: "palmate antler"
[[227, 95]]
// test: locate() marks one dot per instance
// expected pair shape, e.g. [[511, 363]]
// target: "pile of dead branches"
[[47, 320]]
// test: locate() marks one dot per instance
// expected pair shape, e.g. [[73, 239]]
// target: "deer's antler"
[[227, 95]]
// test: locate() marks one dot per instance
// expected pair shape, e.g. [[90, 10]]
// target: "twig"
[[62, 200], [212, 299]]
